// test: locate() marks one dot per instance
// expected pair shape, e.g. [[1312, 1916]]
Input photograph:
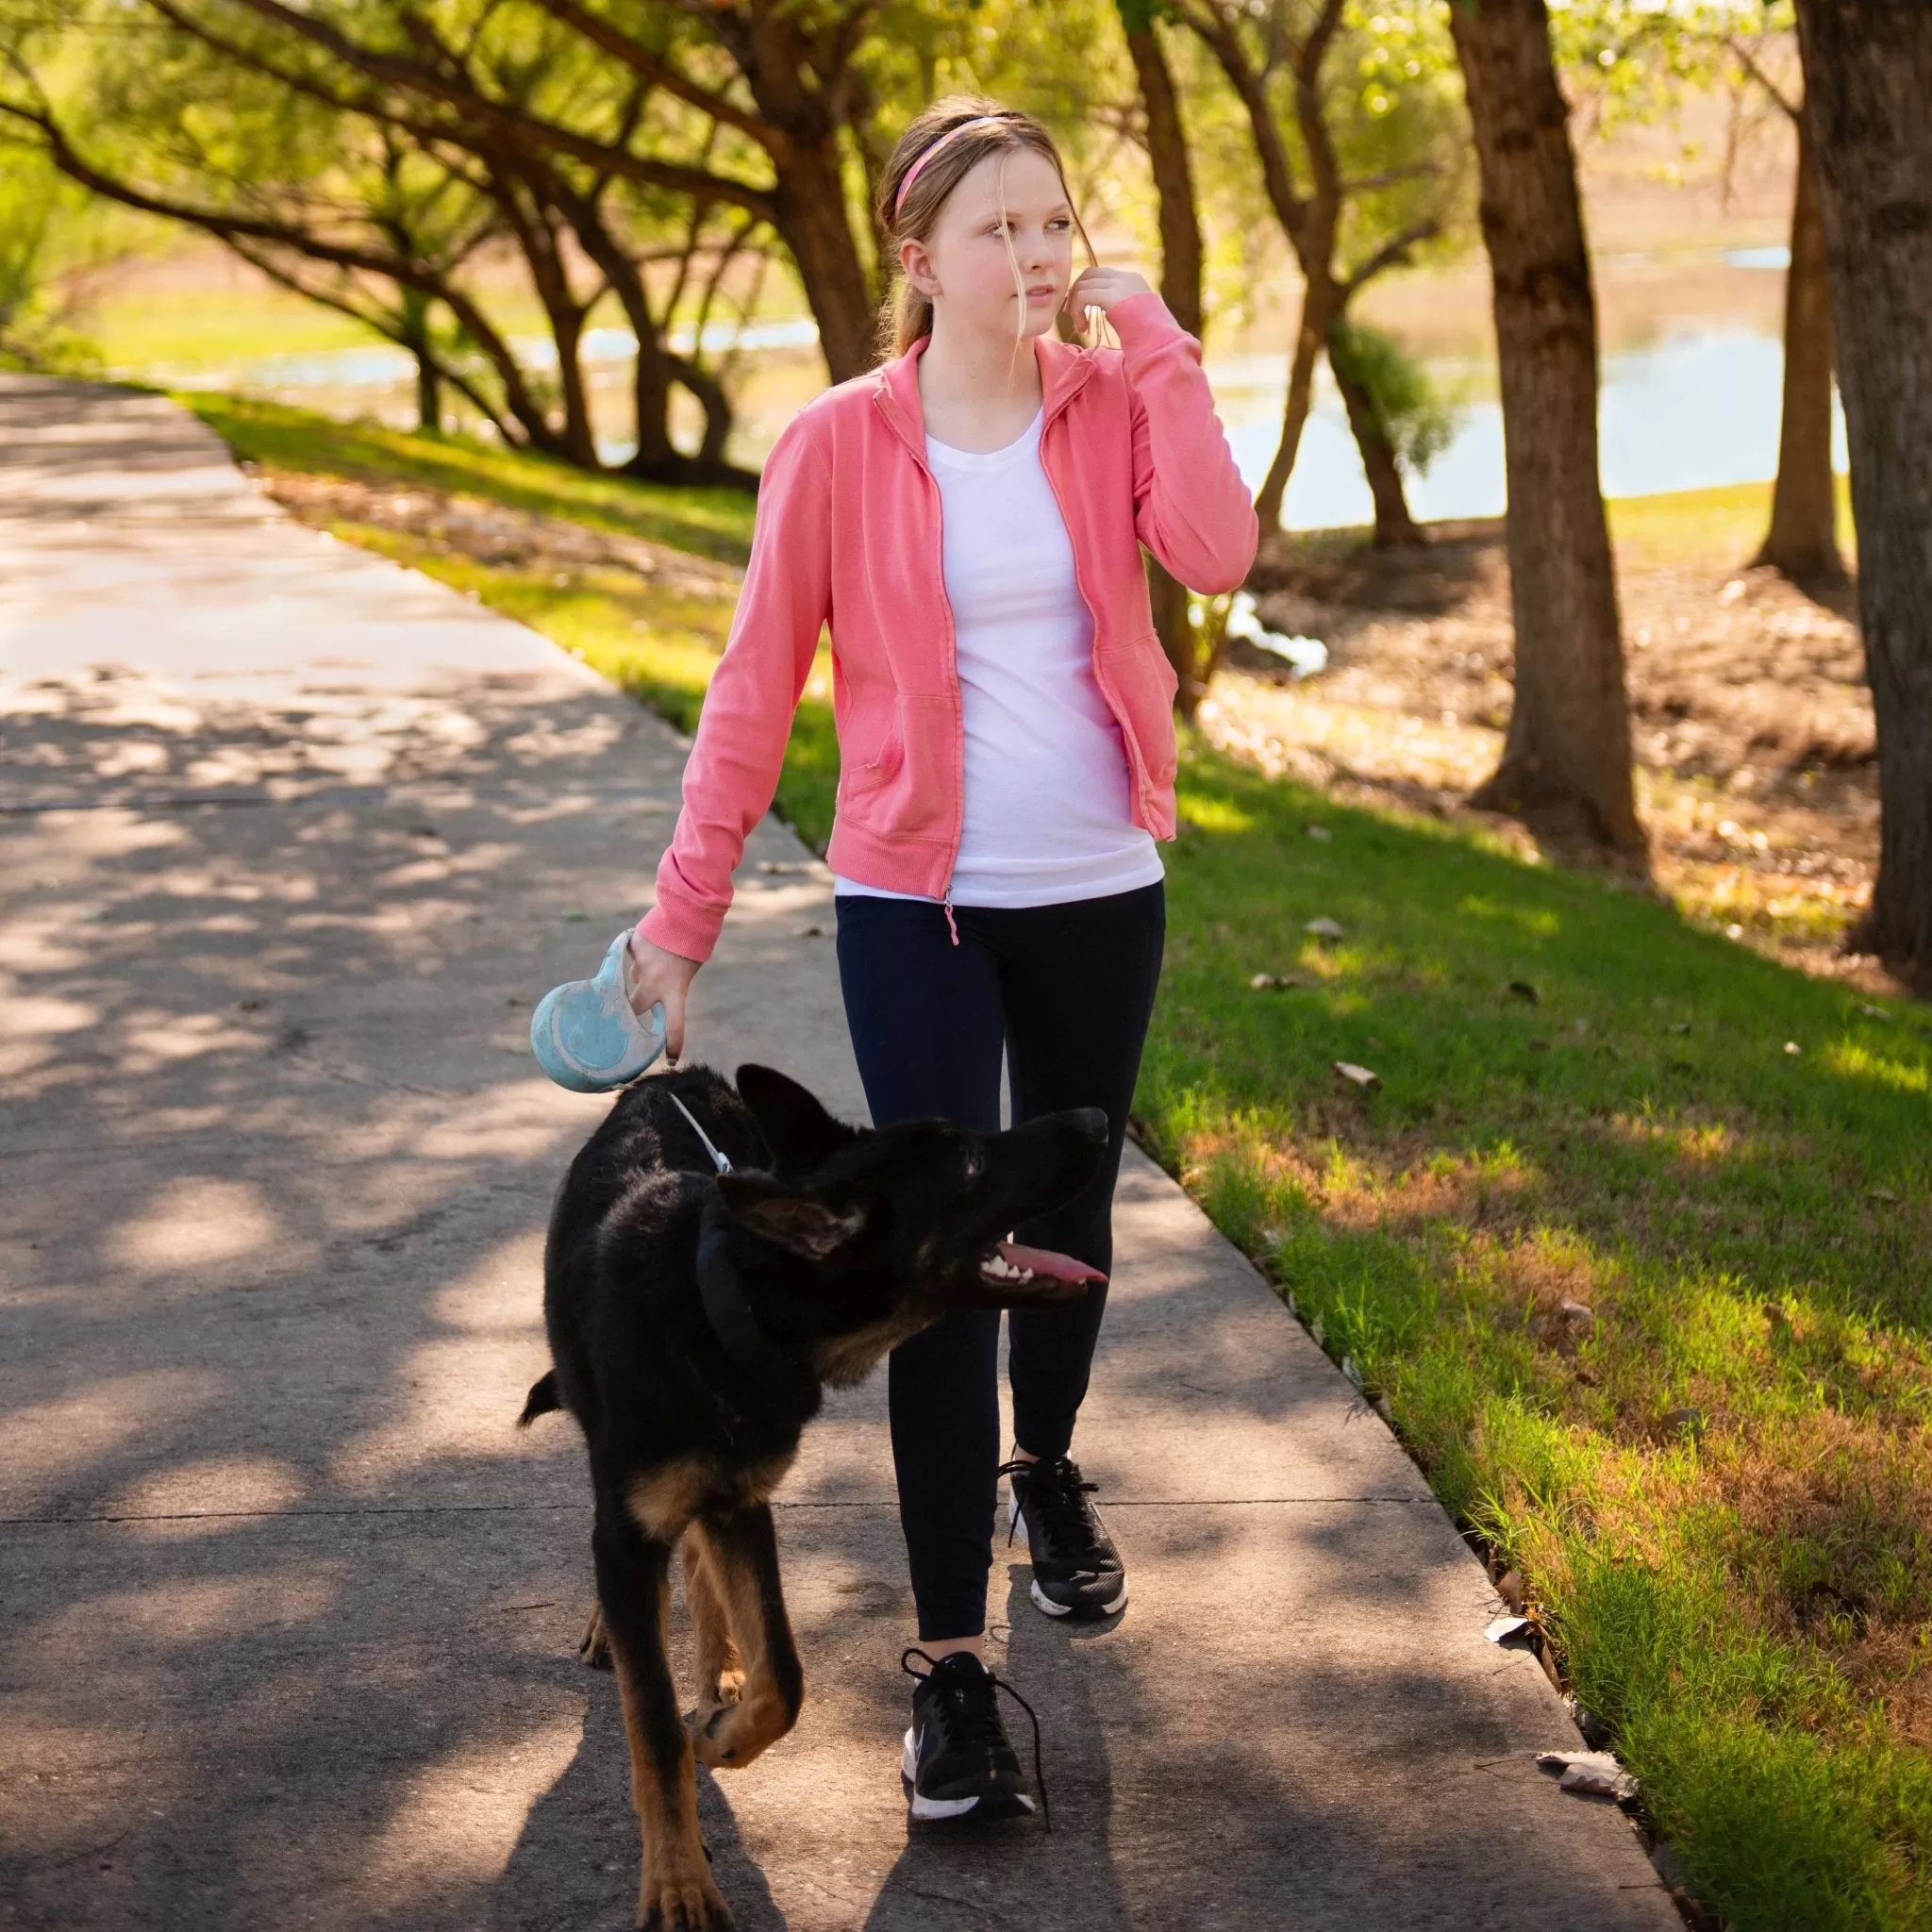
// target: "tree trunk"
[[415, 330], [1803, 539], [815, 225], [1180, 288], [1319, 304], [1173, 181], [1868, 77], [1395, 528], [1566, 760]]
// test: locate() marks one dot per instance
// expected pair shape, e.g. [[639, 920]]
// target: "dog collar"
[[722, 1292]]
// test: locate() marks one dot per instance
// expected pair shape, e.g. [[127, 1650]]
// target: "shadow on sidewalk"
[[575, 1863], [1018, 1873]]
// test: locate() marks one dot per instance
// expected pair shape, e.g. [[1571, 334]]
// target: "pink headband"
[[912, 173]]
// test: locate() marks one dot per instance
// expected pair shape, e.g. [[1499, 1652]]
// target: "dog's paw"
[[729, 1735], [596, 1648], [683, 1901]]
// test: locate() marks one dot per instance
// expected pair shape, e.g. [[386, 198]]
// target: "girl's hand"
[[1101, 288], [656, 974]]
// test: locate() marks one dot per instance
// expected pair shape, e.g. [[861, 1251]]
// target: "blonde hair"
[[909, 214]]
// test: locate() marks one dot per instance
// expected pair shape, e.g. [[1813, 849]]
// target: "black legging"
[[1065, 991]]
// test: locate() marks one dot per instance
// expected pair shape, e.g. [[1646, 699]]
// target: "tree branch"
[[514, 123], [1755, 70], [1393, 254], [611, 40]]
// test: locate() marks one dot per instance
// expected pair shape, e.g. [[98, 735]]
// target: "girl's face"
[[963, 264]]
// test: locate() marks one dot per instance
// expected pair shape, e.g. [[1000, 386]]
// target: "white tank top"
[[1048, 791]]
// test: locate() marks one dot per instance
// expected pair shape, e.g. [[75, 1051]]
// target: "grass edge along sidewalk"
[[1632, 1238]]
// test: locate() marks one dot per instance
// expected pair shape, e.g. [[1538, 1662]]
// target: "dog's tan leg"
[[721, 1667], [676, 1893], [596, 1648], [742, 1554]]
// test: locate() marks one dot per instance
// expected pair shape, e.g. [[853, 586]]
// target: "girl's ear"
[[916, 260]]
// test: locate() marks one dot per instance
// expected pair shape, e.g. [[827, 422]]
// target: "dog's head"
[[881, 1231]]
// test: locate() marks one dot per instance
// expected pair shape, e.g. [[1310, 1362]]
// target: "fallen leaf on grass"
[[1793, 1046], [1510, 1588], [1884, 1194], [1872, 1012], [1358, 1076], [1320, 833], [1524, 990], [1322, 929], [1274, 982]]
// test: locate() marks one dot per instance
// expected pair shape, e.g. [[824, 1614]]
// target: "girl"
[[968, 518]]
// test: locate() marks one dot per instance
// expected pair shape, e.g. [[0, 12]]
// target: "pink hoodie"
[[848, 534]]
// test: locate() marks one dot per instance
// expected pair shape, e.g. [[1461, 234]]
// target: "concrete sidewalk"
[[292, 839]]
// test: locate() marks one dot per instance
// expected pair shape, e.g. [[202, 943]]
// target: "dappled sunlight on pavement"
[[290, 1630]]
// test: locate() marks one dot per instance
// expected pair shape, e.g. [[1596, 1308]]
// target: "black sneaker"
[[1076, 1570], [957, 1763]]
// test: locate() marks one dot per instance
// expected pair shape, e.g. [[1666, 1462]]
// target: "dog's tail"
[[544, 1400]]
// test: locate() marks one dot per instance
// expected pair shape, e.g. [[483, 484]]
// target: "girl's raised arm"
[[1191, 509]]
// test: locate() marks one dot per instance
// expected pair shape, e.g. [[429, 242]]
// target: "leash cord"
[[718, 1160]]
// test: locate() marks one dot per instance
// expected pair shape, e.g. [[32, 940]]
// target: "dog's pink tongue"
[[1055, 1267]]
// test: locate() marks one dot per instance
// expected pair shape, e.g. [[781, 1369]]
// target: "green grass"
[[1724, 526], [1743, 1593], [710, 523], [211, 329], [1717, 1482]]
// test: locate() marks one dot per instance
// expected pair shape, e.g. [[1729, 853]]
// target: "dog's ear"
[[797, 1218], [796, 1127]]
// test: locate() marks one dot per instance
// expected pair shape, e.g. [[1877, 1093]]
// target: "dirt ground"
[[1751, 723]]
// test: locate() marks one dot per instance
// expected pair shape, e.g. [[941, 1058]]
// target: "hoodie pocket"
[[907, 791]]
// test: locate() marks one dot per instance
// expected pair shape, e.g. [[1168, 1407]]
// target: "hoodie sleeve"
[[739, 748], [1191, 507]]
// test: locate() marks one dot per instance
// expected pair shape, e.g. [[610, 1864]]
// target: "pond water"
[[1693, 409], [1692, 412]]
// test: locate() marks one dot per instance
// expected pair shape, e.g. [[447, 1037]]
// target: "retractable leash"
[[720, 1160], [584, 1035], [587, 1037]]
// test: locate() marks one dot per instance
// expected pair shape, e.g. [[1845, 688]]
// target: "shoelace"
[[1056, 1500], [973, 1722]]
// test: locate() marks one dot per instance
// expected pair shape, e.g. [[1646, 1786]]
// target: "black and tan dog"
[[697, 1304]]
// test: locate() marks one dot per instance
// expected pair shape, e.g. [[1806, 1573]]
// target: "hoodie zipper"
[[952, 625], [1127, 733]]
